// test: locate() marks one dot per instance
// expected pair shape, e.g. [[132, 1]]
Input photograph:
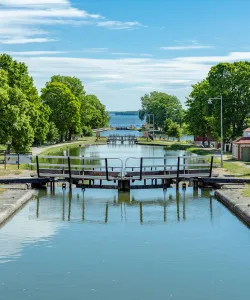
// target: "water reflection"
[[155, 206], [52, 210]]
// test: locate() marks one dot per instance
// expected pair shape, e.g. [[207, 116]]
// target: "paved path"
[[238, 204], [87, 141], [11, 201]]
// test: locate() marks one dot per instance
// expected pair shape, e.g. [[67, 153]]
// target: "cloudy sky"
[[122, 49]]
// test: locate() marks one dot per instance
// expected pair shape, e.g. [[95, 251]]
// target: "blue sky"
[[122, 49]]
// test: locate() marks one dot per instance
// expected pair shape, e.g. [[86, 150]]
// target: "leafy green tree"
[[197, 115], [93, 113], [65, 109], [53, 134], [185, 129], [162, 106], [22, 135], [168, 122], [231, 81], [73, 83], [174, 130], [20, 106]]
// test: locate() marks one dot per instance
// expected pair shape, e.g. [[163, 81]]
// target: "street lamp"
[[210, 100]]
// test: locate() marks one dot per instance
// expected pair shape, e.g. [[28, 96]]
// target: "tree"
[[162, 106], [23, 118], [231, 81], [185, 129], [93, 113], [65, 109], [73, 83], [174, 130], [53, 133], [168, 122], [197, 115]]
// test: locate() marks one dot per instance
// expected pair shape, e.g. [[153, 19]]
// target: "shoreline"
[[236, 203], [11, 201], [87, 141]]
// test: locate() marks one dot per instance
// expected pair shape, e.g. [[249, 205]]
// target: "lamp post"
[[221, 123]]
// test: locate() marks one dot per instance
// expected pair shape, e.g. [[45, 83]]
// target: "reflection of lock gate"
[[81, 169]]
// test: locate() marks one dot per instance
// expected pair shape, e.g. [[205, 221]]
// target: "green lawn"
[[50, 150], [246, 192], [236, 168]]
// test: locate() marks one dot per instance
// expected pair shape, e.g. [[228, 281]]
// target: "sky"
[[123, 49]]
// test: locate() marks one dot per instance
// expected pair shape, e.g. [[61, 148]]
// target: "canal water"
[[146, 244]]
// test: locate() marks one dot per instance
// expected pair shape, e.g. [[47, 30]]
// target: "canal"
[[146, 244]]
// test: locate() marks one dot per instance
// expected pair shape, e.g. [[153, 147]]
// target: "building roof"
[[247, 130], [242, 140]]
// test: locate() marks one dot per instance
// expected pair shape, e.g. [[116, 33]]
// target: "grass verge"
[[236, 168], [50, 150], [246, 192]]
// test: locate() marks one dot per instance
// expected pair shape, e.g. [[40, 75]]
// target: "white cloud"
[[131, 54], [11, 41], [34, 53], [21, 3], [23, 230], [187, 47], [95, 50], [119, 83], [18, 14], [117, 25]]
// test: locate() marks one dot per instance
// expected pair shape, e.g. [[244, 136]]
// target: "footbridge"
[[114, 173], [131, 139]]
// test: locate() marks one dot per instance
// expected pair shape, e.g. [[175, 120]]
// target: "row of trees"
[[62, 110], [232, 82], [229, 80]]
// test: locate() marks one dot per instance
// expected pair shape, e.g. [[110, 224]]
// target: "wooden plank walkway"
[[115, 173]]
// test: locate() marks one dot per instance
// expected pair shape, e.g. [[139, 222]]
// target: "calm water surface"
[[101, 244], [125, 120]]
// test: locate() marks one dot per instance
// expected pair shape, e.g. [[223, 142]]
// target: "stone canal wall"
[[238, 204], [11, 201]]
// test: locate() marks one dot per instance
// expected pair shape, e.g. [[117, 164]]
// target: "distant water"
[[127, 121], [124, 120]]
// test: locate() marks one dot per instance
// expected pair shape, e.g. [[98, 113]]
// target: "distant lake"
[[124, 120], [127, 121]]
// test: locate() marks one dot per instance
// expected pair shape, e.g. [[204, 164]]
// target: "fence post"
[[178, 173], [18, 160], [69, 167], [141, 163], [37, 166], [5, 157], [106, 169], [211, 166]]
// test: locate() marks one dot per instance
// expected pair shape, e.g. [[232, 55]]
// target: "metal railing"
[[76, 167]]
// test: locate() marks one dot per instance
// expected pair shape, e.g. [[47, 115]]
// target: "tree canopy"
[[65, 109], [23, 117], [162, 106], [62, 110], [231, 81]]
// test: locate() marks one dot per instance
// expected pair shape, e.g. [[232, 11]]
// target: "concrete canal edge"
[[11, 201], [234, 201]]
